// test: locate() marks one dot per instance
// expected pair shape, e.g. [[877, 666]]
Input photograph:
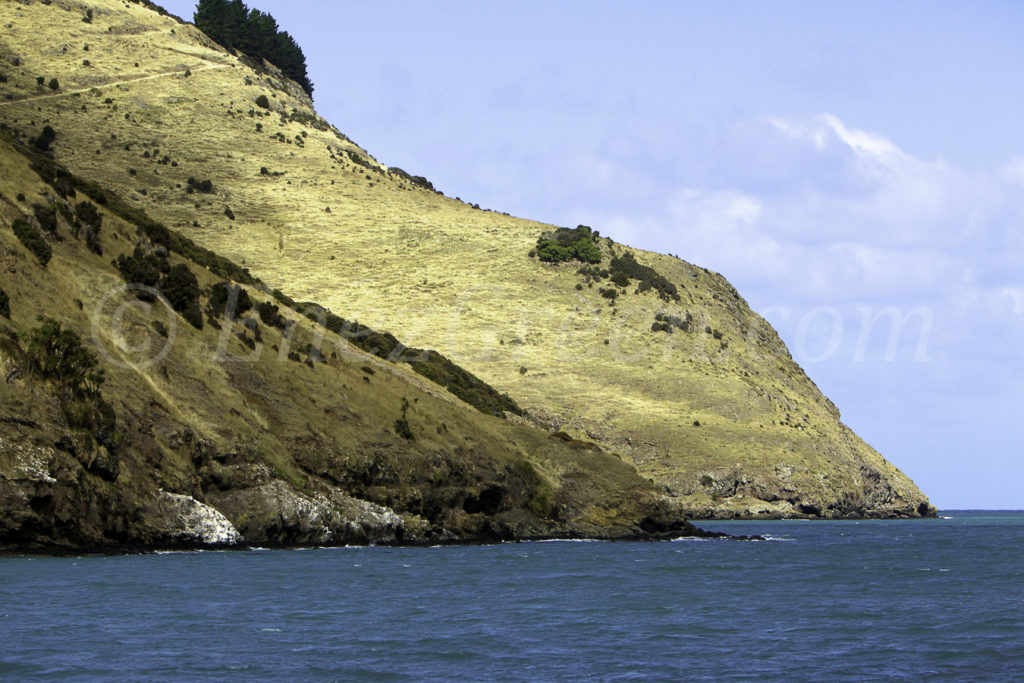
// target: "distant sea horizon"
[[941, 599]]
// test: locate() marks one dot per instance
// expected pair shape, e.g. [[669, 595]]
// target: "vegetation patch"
[[228, 299], [5, 305], [667, 323], [568, 244], [89, 222], [414, 179], [56, 353], [33, 240], [202, 186], [626, 267], [181, 288]]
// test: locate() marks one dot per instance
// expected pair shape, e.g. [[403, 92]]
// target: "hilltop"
[[667, 366]]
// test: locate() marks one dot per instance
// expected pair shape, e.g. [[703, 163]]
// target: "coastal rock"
[[275, 514], [191, 523]]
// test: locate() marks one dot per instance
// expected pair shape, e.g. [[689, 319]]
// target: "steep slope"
[[231, 420], [715, 411]]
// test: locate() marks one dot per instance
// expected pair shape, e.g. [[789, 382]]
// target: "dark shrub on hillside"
[[54, 84], [205, 186], [5, 305], [47, 217], [566, 244], [270, 315], [45, 139], [57, 353], [649, 278], [33, 240], [142, 268], [620, 279], [181, 288], [414, 179], [609, 293], [230, 299], [91, 220], [263, 102], [88, 215]]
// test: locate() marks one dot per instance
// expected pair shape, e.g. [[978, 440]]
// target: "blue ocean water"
[[870, 600]]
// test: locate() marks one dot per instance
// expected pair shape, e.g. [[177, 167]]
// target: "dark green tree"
[[232, 24]]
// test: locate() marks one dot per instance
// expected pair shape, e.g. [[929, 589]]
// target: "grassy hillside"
[[715, 412], [129, 422]]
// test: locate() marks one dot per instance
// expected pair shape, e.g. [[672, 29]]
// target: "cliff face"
[[713, 410]]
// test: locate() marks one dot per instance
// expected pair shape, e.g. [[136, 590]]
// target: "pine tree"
[[233, 25], [209, 18]]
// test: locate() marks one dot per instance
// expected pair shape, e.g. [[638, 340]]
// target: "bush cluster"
[[666, 323], [90, 220], [5, 305], [414, 179], [230, 299], [55, 352], [565, 244], [177, 284], [181, 288], [43, 141], [204, 186], [33, 240], [142, 268], [270, 315], [626, 266]]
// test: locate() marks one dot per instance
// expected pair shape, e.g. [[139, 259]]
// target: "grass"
[[432, 270]]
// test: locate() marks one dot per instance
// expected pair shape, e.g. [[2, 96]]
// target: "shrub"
[[205, 186], [270, 315], [57, 353], [181, 288], [263, 102], [142, 269], [626, 266], [402, 427], [610, 293], [229, 213], [45, 139], [228, 299], [47, 217], [5, 305], [567, 245], [54, 84], [91, 220], [33, 240]]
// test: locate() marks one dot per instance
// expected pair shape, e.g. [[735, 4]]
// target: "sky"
[[855, 169]]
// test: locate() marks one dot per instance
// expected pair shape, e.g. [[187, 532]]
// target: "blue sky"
[[844, 164]]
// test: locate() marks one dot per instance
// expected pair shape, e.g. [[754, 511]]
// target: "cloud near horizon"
[[857, 223]]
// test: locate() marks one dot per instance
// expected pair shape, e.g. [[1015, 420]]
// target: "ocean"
[[840, 601]]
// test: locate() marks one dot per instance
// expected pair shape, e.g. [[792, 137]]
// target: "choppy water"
[[924, 599]]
